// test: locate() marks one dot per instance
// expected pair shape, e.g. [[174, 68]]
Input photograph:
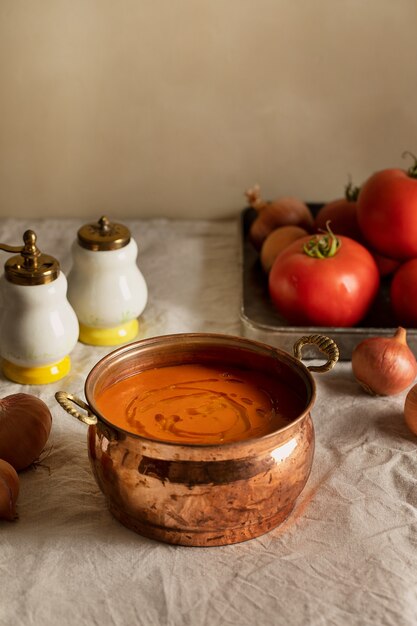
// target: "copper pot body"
[[200, 495]]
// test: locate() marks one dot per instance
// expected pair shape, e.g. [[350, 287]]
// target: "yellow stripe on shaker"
[[40, 375], [109, 336]]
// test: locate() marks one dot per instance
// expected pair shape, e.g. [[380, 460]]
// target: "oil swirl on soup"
[[199, 404]]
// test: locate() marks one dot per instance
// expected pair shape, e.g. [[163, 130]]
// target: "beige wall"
[[142, 108]]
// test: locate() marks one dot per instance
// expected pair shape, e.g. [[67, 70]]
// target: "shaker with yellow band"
[[38, 326], [105, 286]]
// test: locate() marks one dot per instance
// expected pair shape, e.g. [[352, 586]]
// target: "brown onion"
[[276, 242], [281, 212], [410, 409], [9, 490], [25, 424], [384, 365]]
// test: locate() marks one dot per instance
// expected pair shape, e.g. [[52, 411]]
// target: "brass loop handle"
[[325, 345], [67, 399]]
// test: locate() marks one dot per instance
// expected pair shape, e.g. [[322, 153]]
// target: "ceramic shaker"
[[38, 326], [105, 286]]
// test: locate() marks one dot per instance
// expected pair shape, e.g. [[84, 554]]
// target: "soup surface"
[[199, 403]]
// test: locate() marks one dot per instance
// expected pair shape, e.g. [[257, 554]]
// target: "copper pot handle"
[[325, 345], [67, 399]]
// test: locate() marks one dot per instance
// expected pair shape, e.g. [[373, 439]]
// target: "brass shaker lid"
[[30, 267], [103, 235]]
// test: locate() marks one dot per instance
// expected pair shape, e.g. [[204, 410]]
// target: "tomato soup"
[[199, 404]]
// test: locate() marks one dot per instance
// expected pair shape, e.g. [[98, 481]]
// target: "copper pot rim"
[[176, 338]]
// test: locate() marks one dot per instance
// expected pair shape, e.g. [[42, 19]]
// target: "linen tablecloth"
[[347, 554]]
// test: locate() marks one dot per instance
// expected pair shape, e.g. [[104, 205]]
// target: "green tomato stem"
[[322, 246], [412, 171], [351, 192]]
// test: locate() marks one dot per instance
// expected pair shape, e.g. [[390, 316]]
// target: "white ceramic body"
[[106, 287], [38, 326]]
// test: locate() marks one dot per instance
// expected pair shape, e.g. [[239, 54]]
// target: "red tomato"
[[403, 294], [333, 291], [387, 212], [386, 266], [342, 215]]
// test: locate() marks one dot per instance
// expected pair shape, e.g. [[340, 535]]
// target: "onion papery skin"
[[9, 491], [276, 242], [25, 425], [384, 366], [410, 409], [284, 211]]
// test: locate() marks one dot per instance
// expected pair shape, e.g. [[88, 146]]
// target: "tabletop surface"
[[346, 555]]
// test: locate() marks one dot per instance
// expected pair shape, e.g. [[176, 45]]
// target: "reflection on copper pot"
[[201, 495]]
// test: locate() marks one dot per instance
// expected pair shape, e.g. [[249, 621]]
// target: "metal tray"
[[261, 321]]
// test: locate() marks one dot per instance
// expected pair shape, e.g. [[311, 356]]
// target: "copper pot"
[[201, 495]]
